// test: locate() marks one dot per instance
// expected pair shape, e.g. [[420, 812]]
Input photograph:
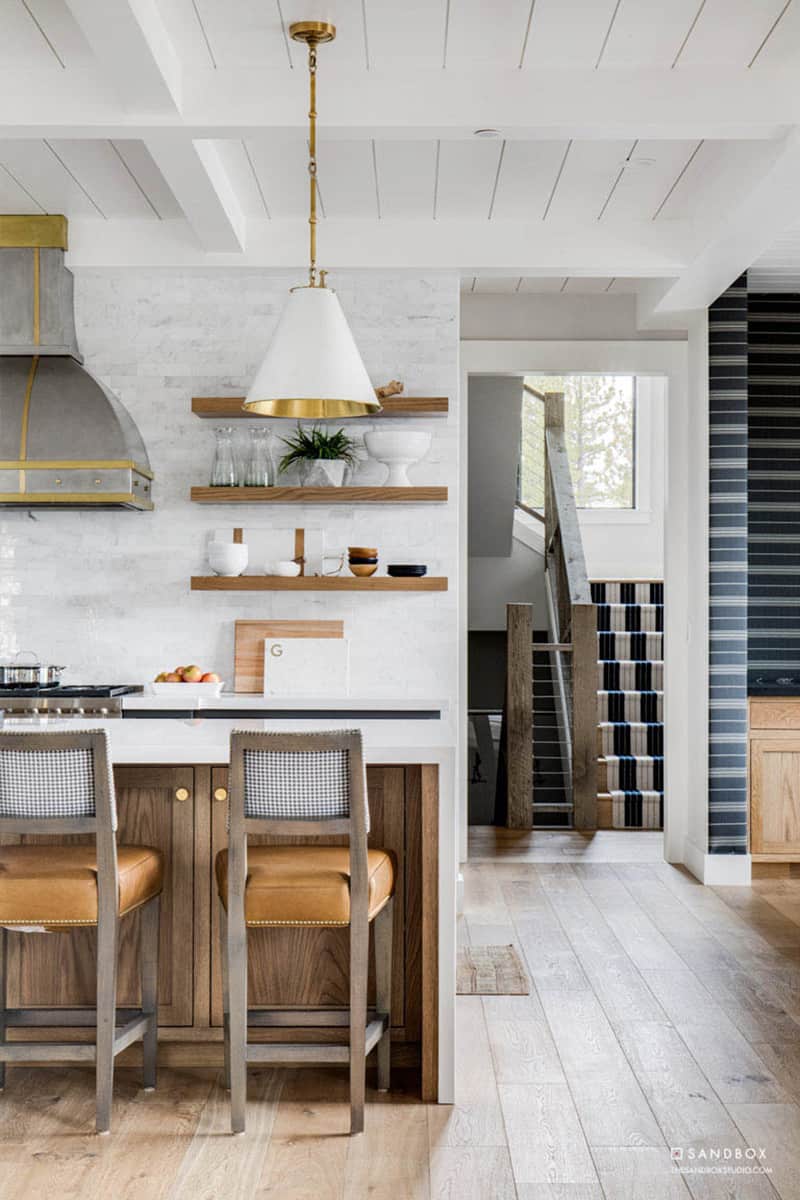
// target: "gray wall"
[[495, 414]]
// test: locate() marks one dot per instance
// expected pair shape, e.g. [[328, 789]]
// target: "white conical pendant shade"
[[312, 367]]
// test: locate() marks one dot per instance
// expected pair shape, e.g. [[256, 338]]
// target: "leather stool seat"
[[56, 886], [305, 885]]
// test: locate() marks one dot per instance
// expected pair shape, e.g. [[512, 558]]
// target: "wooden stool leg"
[[149, 971], [382, 926], [237, 1018], [359, 956], [3, 999], [107, 936], [226, 1004]]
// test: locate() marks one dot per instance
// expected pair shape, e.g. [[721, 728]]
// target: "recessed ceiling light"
[[639, 161], [486, 133]]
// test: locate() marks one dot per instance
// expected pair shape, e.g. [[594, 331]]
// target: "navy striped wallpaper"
[[774, 482], [728, 448]]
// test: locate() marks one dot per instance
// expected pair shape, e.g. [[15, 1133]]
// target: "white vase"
[[323, 472], [398, 450]]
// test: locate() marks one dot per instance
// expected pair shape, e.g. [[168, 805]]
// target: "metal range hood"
[[65, 440]]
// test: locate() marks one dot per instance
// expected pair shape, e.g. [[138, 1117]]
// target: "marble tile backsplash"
[[107, 593]]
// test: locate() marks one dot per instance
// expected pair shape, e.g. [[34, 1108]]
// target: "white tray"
[[176, 690]]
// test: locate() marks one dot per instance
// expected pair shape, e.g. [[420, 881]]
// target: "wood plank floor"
[[664, 1014]]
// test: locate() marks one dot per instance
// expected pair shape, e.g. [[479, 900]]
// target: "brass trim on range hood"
[[68, 464], [23, 231]]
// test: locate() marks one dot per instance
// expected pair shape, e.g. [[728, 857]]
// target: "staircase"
[[630, 733]]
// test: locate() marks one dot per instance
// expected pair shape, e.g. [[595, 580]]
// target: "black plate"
[[407, 570], [364, 561]]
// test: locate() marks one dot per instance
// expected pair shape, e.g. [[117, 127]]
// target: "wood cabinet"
[[182, 810], [775, 796], [774, 779]]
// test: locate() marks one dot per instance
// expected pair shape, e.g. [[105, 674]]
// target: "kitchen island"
[[171, 782]]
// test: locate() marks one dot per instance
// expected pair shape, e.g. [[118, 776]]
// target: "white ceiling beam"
[[762, 210], [197, 178], [640, 249], [133, 50], [419, 104]]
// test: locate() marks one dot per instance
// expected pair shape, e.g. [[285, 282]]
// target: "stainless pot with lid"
[[33, 674]]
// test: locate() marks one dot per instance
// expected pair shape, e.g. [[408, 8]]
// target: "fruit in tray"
[[191, 674]]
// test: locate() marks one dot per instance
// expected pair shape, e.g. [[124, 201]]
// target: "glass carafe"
[[258, 463], [223, 472]]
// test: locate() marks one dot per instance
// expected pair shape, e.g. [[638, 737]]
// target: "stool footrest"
[[131, 1032], [300, 1018], [67, 1018], [18, 1052], [310, 1054], [296, 1054]]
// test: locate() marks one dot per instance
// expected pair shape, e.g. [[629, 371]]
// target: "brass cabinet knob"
[[220, 793], [181, 793]]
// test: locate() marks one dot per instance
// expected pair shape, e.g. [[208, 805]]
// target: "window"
[[599, 417]]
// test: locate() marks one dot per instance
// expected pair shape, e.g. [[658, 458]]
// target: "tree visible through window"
[[599, 412]]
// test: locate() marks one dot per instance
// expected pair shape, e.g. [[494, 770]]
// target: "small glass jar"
[[223, 471]]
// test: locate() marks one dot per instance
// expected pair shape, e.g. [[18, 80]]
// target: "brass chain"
[[312, 162]]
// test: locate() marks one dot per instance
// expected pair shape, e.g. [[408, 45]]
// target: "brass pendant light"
[[312, 367]]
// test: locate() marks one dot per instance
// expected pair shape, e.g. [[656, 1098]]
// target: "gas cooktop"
[[100, 690]]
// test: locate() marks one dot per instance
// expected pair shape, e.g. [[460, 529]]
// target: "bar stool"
[[61, 783], [309, 785]]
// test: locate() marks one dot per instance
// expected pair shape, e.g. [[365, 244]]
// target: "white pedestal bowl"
[[398, 450]]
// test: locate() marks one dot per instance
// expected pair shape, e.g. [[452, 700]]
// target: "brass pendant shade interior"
[[312, 368]]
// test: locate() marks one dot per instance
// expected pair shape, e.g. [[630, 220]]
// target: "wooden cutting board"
[[249, 637]]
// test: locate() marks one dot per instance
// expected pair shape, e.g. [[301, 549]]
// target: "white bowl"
[[189, 690], [285, 567], [227, 558], [398, 449]]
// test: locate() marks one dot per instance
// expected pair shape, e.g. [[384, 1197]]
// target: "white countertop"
[[207, 741], [244, 700]]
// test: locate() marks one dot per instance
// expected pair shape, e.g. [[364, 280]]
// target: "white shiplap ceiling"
[[636, 139]]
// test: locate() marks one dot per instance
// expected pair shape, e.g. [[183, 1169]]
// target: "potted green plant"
[[322, 457]]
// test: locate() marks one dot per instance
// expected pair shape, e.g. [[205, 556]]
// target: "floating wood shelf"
[[229, 408], [319, 495], [315, 583]]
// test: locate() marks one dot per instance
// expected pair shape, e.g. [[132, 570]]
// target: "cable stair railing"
[[550, 714]]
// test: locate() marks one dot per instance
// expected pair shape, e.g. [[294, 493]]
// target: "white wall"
[[496, 582], [107, 593], [561, 316]]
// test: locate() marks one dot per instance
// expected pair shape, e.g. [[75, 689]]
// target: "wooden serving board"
[[249, 637]]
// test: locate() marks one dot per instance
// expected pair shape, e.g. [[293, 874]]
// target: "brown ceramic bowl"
[[363, 570], [362, 551]]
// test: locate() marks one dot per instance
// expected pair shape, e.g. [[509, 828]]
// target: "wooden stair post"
[[575, 614], [519, 716]]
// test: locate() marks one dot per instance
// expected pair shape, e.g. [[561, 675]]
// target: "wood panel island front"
[[171, 786]]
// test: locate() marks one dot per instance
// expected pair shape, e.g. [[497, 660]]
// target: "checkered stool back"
[[54, 776], [300, 777]]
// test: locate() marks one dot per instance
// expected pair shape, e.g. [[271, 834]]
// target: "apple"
[[172, 677], [211, 677], [192, 674], [178, 671], [161, 677]]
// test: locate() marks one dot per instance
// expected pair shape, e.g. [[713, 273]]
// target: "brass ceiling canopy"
[[312, 367]]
